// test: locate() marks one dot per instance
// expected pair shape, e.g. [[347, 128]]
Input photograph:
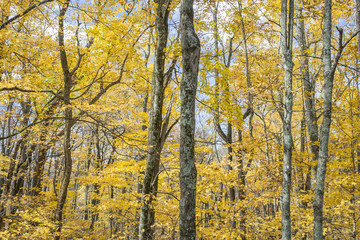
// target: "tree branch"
[[2, 26], [30, 91]]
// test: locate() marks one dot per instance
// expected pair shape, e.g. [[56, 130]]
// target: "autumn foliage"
[[101, 110]]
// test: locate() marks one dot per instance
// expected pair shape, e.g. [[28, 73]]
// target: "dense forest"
[[180, 119]]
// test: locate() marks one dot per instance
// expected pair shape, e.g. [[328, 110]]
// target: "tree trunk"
[[286, 39], [150, 185], [143, 127], [325, 126], [310, 111], [358, 25], [358, 47], [98, 166], [329, 69], [68, 123], [190, 48], [250, 111], [242, 194], [11, 169]]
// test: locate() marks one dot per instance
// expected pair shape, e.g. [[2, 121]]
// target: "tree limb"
[[3, 25]]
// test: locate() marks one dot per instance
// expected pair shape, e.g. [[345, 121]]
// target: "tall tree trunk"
[[286, 39], [87, 170], [358, 25], [329, 69], [190, 48], [11, 169], [325, 126], [144, 126], [219, 194], [150, 185], [228, 137], [68, 122], [5, 12], [249, 112], [310, 111], [358, 60], [98, 166]]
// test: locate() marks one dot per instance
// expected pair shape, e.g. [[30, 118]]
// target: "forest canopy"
[[179, 119]]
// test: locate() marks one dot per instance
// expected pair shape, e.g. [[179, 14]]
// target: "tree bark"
[[190, 48], [325, 126], [358, 47], [68, 123], [358, 25], [249, 112], [329, 69], [150, 184], [310, 111], [98, 166], [286, 40]]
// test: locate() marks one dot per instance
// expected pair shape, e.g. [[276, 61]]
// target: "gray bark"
[[286, 38], [150, 184], [358, 25], [358, 47], [309, 88], [325, 126], [329, 69], [190, 47]]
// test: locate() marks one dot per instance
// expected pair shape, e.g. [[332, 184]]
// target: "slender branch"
[[30, 91], [3, 25], [341, 48], [25, 128]]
